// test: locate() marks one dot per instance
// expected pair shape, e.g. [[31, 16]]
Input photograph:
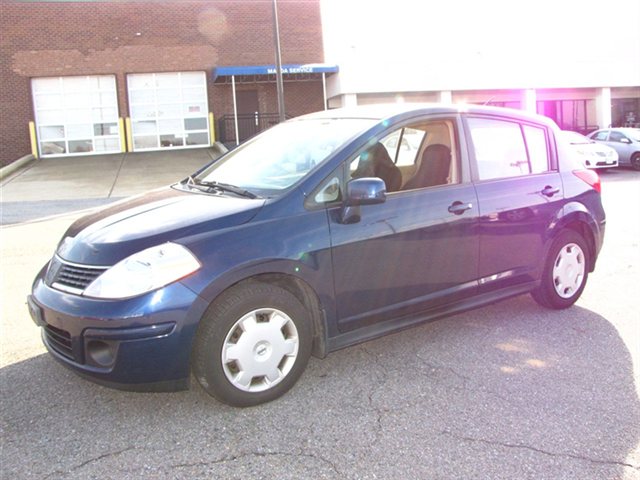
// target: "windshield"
[[277, 159], [575, 138]]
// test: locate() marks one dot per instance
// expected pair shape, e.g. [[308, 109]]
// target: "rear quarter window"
[[536, 139]]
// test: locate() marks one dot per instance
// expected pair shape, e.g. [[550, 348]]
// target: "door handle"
[[458, 208], [549, 191]]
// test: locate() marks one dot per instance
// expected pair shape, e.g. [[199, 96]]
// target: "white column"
[[324, 90], [603, 108], [529, 100], [445, 97], [235, 108], [349, 100]]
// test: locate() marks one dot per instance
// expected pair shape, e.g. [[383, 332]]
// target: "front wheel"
[[252, 345], [565, 272], [635, 161]]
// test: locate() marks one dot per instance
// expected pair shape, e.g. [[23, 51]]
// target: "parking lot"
[[507, 391]]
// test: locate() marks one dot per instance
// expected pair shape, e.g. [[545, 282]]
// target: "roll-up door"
[[168, 110], [76, 115]]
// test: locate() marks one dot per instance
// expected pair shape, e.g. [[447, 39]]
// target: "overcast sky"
[[490, 34]]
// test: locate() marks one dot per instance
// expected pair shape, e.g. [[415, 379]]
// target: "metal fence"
[[249, 124]]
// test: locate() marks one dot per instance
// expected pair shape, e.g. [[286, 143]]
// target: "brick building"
[[101, 77]]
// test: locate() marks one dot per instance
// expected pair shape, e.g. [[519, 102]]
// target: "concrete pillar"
[[603, 107], [529, 99], [349, 100], [445, 97]]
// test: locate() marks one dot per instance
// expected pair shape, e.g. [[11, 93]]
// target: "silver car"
[[625, 141], [592, 154]]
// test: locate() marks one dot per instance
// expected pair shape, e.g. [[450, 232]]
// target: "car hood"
[[168, 214], [596, 147]]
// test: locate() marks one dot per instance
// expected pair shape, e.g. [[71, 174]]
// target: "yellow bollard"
[[212, 132], [34, 139], [123, 140], [129, 137]]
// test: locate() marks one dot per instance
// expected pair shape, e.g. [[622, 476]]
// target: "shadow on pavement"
[[508, 391]]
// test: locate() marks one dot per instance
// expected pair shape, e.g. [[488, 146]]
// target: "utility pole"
[[279, 82]]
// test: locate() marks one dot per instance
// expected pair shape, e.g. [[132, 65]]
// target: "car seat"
[[434, 168]]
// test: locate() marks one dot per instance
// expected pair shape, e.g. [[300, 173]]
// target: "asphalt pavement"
[[509, 391], [52, 186]]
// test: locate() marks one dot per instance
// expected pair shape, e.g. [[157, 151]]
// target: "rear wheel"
[[635, 161], [252, 345], [565, 272]]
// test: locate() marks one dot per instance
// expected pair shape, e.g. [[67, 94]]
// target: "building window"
[[625, 112], [576, 115], [76, 115], [168, 110]]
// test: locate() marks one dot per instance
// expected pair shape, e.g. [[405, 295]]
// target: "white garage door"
[[76, 115], [168, 110]]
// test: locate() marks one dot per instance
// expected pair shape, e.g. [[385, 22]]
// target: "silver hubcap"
[[260, 350], [568, 270]]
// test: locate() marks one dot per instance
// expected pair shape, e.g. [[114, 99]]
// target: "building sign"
[[288, 69]]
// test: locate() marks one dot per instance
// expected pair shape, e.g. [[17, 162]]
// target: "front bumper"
[[142, 343], [601, 163]]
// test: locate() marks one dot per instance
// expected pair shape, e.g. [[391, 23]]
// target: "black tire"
[[553, 292], [635, 161], [261, 307]]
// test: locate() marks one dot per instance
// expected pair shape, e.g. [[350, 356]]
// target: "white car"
[[625, 141], [592, 154]]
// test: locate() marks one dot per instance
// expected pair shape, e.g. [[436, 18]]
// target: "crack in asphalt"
[[379, 412], [91, 460], [233, 458], [538, 450]]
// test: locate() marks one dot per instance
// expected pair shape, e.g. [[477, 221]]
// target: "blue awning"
[[289, 69]]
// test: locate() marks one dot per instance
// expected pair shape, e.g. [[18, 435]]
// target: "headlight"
[[588, 153], [144, 271]]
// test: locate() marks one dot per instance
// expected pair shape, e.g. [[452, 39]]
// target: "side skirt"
[[396, 324]]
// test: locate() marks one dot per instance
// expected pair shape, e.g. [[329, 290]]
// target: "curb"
[[219, 148], [15, 166]]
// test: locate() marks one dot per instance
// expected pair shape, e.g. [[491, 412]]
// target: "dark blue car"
[[324, 231]]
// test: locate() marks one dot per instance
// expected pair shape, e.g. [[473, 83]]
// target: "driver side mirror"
[[362, 191], [625, 140]]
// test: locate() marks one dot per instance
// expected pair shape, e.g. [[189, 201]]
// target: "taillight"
[[590, 177]]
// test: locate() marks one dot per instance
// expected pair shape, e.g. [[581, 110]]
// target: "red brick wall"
[[86, 38]]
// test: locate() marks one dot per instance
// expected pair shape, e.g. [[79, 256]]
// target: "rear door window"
[[617, 137], [506, 149]]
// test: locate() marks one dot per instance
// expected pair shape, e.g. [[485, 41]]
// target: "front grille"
[[71, 277], [60, 341]]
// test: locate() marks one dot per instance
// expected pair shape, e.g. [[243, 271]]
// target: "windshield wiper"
[[225, 187]]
